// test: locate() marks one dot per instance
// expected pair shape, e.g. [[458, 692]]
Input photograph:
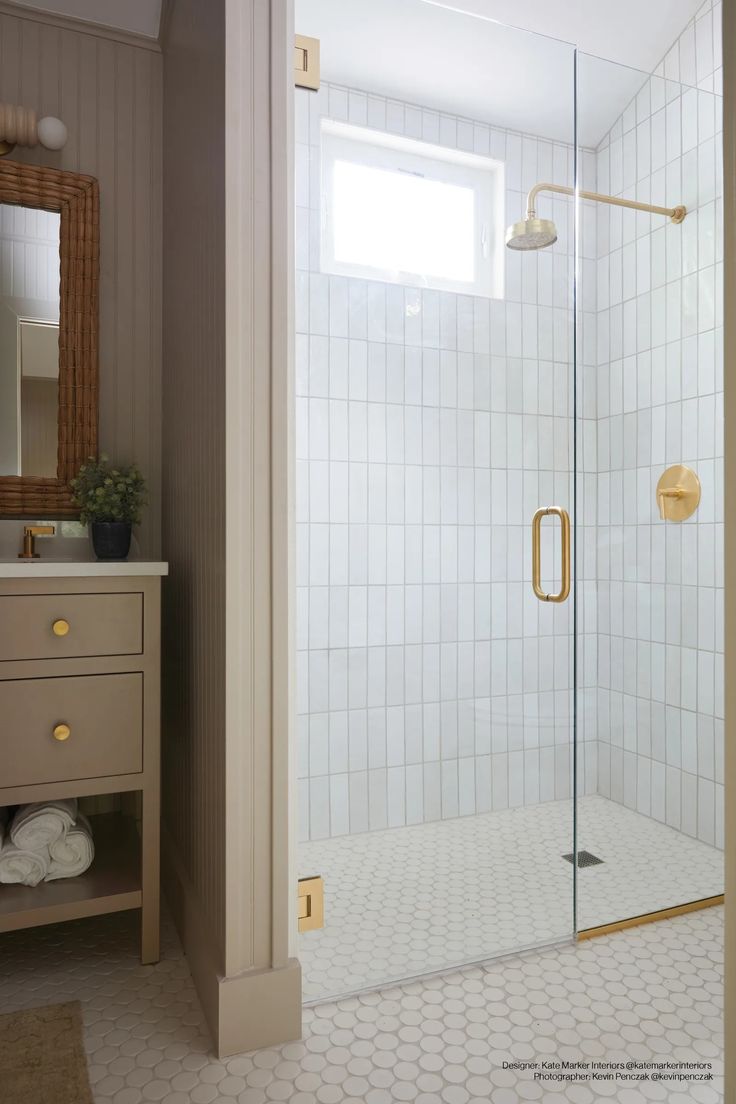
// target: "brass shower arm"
[[677, 214]]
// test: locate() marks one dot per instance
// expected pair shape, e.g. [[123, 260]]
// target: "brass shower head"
[[535, 233]]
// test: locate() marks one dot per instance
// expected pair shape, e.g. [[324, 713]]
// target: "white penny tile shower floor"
[[647, 994], [410, 900]]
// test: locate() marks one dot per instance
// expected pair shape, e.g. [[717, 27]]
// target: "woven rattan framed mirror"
[[24, 190]]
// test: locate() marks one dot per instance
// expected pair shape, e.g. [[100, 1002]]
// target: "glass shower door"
[[435, 403]]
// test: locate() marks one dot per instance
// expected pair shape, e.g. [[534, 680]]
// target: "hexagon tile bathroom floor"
[[647, 994], [407, 901]]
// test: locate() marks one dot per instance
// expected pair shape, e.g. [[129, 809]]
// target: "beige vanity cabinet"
[[80, 716]]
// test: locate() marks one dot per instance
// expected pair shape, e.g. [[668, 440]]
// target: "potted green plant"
[[110, 501]]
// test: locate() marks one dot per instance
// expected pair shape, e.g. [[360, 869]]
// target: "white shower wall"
[[660, 402], [430, 426]]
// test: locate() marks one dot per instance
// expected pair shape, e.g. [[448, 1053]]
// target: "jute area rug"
[[42, 1059]]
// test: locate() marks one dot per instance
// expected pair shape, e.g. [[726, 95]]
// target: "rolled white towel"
[[71, 854], [18, 867], [36, 826]]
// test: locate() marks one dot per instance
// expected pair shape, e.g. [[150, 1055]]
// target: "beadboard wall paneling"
[[109, 95], [193, 514]]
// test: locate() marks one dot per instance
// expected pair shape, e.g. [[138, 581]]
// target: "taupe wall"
[[193, 515], [228, 248], [109, 95]]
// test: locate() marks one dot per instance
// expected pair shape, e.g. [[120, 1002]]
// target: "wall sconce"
[[19, 127]]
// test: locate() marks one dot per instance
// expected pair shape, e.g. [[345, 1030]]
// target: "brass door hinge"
[[306, 62], [311, 911]]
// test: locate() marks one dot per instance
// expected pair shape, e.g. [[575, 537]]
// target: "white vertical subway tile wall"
[[660, 402], [431, 425]]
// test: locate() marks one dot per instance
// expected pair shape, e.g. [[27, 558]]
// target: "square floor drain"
[[585, 858]]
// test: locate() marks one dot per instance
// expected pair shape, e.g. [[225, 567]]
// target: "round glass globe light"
[[51, 132]]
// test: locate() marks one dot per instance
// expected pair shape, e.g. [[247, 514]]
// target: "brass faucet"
[[678, 493], [30, 532]]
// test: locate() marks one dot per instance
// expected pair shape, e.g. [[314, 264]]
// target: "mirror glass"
[[29, 341]]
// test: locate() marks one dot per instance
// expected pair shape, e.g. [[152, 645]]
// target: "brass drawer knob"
[[60, 627], [62, 732]]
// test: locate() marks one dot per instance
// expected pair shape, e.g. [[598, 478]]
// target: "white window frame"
[[377, 149]]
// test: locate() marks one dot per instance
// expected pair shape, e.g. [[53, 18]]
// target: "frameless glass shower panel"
[[435, 384], [651, 460]]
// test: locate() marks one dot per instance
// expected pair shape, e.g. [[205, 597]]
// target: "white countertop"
[[70, 569]]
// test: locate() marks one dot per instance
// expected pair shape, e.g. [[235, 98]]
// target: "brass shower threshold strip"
[[650, 917]]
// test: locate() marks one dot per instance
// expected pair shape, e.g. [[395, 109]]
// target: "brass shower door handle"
[[564, 591]]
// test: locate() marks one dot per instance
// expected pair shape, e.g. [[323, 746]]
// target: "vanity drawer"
[[104, 716], [70, 626]]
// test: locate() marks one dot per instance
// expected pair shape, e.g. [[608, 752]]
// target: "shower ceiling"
[[628, 32], [423, 52]]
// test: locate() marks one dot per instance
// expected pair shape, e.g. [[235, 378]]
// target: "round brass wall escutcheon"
[[62, 732], [678, 493], [60, 627]]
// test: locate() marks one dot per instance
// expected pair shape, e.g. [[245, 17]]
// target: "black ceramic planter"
[[111, 539]]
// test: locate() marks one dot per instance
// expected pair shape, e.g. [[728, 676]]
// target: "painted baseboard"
[[258, 1008]]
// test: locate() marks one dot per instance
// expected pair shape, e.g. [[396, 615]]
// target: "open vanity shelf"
[[112, 883]]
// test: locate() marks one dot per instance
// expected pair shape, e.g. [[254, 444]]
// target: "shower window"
[[407, 212]]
